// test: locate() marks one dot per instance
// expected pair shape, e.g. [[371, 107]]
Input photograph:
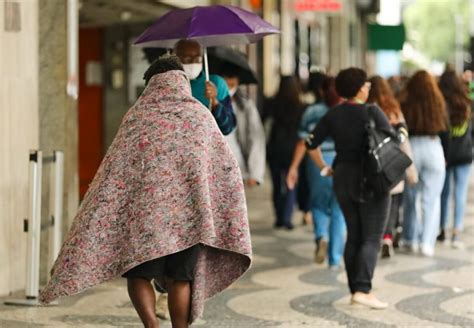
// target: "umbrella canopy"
[[210, 26], [225, 59]]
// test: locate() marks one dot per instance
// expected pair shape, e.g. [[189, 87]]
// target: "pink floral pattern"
[[168, 181]]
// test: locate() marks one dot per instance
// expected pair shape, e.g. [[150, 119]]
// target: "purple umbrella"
[[210, 26]]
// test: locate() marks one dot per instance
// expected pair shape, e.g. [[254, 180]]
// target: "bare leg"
[[179, 302], [142, 296]]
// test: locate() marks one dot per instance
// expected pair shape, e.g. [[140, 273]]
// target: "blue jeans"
[[422, 228], [328, 219], [460, 173]]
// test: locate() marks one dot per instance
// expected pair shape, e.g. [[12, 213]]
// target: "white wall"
[[18, 134]]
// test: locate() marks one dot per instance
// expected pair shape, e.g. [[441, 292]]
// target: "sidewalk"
[[285, 288]]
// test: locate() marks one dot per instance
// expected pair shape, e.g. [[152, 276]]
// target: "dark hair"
[[286, 107], [162, 65], [349, 81], [330, 95], [455, 94], [423, 105], [151, 54], [289, 90], [315, 84], [382, 95]]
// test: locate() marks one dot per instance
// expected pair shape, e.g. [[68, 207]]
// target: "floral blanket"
[[168, 181]]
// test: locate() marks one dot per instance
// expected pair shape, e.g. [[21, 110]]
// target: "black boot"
[[441, 237]]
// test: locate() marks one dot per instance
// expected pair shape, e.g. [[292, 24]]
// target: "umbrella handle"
[[206, 66], [206, 71]]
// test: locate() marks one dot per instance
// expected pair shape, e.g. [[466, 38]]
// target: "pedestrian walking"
[[214, 93], [303, 191], [365, 216], [382, 95], [150, 212], [328, 220], [247, 141], [284, 110], [425, 113], [458, 156]]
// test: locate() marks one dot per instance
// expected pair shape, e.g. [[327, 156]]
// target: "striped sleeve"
[[224, 115]]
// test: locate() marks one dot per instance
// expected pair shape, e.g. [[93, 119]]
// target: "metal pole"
[[206, 70], [56, 204], [34, 226], [30, 225], [37, 224], [206, 65]]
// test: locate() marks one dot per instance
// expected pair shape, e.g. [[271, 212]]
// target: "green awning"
[[385, 37]]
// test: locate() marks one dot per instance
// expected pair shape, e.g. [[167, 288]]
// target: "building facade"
[[48, 59]]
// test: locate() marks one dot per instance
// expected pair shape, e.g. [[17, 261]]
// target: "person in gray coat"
[[247, 141]]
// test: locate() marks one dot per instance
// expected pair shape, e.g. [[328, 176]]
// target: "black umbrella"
[[229, 62], [222, 61]]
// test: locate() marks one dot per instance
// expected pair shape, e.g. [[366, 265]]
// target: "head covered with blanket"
[[168, 181]]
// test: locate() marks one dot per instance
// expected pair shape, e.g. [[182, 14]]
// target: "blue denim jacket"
[[310, 119]]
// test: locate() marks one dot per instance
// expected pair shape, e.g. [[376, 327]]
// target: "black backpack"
[[384, 163]]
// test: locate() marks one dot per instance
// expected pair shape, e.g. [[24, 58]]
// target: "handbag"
[[384, 163], [412, 173]]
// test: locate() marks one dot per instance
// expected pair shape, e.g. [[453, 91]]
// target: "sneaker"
[[387, 249], [397, 238], [321, 251], [456, 242], [442, 236], [278, 225], [427, 251], [307, 220], [335, 268], [161, 307], [368, 300], [409, 247]]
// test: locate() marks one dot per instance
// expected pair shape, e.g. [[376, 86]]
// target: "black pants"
[[365, 225], [178, 266], [302, 192], [283, 198], [394, 213]]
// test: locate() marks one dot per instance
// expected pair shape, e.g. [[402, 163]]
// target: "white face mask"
[[192, 70], [233, 91]]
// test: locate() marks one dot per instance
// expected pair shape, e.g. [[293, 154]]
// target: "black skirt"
[[178, 266]]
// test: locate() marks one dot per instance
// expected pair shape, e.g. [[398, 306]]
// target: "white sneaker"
[[427, 251]]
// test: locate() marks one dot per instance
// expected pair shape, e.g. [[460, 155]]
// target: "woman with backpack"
[[365, 217], [382, 95], [425, 113], [459, 153]]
